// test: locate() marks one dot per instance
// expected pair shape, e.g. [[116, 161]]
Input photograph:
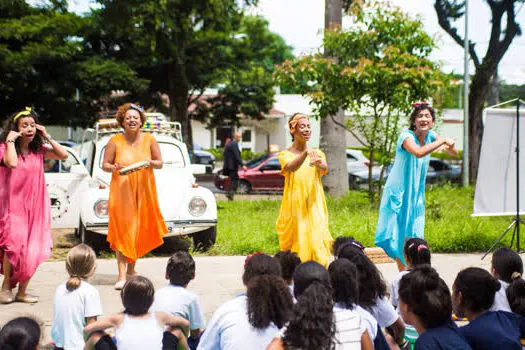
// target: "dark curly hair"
[[343, 275], [371, 283], [35, 145], [121, 113], [416, 111], [341, 242], [269, 300], [427, 296], [137, 295], [180, 269], [516, 294], [417, 252], [477, 287], [260, 264], [289, 262], [312, 326], [505, 262], [20, 333]]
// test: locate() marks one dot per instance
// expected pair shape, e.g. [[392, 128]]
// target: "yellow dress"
[[135, 225], [302, 225]]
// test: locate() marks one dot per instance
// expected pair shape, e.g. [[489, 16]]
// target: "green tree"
[[503, 30], [42, 63], [377, 68], [183, 47]]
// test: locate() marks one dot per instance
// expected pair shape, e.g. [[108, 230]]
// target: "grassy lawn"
[[249, 226]]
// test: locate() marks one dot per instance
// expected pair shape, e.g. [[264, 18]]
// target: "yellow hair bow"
[[23, 113]]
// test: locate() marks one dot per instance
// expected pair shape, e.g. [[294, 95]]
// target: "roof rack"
[[110, 126]]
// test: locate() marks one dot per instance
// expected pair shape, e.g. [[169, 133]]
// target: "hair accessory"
[[136, 107], [515, 275], [421, 246], [358, 245], [292, 123], [25, 112], [248, 258], [411, 245], [420, 103]]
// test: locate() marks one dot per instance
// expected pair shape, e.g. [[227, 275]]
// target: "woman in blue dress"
[[402, 209]]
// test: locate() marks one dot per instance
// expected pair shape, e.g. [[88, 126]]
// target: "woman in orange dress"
[[136, 225], [303, 218]]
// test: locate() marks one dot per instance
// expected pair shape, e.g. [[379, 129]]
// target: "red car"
[[263, 174]]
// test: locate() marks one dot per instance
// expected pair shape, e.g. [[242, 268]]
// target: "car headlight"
[[197, 206], [101, 208]]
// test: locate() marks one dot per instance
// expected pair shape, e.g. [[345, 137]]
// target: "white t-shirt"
[[229, 329], [501, 303], [369, 321], [179, 301], [349, 328], [70, 310], [383, 312], [394, 288]]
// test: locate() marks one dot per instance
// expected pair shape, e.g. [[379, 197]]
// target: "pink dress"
[[25, 215]]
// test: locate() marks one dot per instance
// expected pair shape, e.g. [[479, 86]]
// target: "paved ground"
[[217, 280]]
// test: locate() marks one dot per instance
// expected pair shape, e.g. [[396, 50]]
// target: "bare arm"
[[397, 329], [10, 158], [108, 163], [366, 342], [174, 321], [420, 151], [110, 321], [449, 148], [156, 157], [276, 344], [296, 163], [90, 320], [57, 151]]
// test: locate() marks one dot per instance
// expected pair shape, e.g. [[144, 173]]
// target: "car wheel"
[[95, 240], [244, 187], [205, 239], [173, 244]]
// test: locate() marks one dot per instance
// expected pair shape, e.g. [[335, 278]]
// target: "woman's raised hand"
[[12, 136]]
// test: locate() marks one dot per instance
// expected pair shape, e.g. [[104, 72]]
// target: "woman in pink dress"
[[25, 211]]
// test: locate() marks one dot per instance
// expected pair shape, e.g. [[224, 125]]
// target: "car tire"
[[96, 241], [173, 244], [205, 239], [244, 187]]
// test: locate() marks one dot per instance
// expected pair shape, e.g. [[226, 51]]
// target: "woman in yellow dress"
[[302, 225], [136, 225]]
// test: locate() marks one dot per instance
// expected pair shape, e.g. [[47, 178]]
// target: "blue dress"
[[402, 209]]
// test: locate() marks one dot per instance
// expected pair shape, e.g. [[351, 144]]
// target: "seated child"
[[289, 262], [473, 295], [252, 319], [516, 294], [505, 262], [77, 303], [135, 327], [176, 299], [425, 303], [20, 333]]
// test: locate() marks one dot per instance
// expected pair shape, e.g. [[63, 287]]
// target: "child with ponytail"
[[505, 264], [77, 303], [252, 319]]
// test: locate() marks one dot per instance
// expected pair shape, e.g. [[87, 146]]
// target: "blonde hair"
[[121, 113], [80, 265]]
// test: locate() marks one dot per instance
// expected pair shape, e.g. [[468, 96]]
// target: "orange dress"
[[136, 225]]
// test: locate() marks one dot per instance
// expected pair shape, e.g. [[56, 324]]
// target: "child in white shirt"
[[505, 262]]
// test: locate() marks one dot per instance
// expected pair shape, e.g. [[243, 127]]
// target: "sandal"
[[29, 299], [119, 285], [6, 297]]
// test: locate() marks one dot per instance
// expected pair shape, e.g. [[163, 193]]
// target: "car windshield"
[[254, 162]]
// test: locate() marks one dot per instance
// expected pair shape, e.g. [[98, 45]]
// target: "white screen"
[[496, 183]]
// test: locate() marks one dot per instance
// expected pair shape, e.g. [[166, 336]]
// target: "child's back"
[[179, 301], [495, 330], [139, 332]]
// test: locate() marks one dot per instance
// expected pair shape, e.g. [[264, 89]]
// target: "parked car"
[[438, 171], [356, 161], [262, 174], [200, 156], [79, 193]]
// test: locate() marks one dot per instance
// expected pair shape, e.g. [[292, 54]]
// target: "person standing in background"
[[232, 162]]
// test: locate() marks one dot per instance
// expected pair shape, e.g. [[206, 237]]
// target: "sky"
[[300, 22]]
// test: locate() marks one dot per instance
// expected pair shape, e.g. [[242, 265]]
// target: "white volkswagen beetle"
[[79, 192]]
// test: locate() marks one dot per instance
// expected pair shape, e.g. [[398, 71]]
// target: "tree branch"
[[444, 22], [349, 130]]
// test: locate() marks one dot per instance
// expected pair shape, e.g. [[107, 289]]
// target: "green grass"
[[248, 226]]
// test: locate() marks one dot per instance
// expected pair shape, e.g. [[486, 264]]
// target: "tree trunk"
[[178, 93], [494, 90], [333, 140], [479, 90]]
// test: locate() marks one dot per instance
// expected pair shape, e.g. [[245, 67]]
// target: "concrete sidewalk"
[[217, 280]]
